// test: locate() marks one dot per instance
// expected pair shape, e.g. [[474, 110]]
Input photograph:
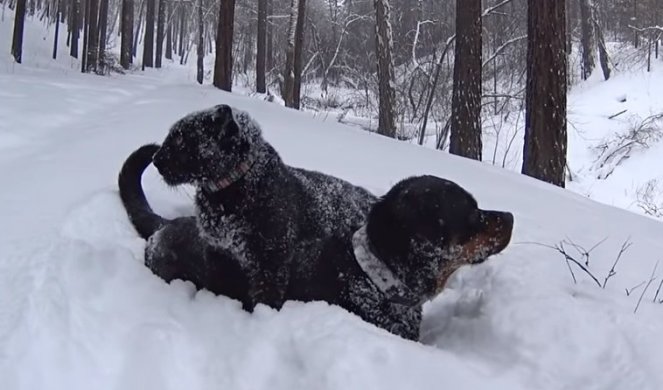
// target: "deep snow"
[[79, 310]]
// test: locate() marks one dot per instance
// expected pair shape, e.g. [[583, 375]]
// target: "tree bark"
[[604, 59], [544, 152], [86, 34], [75, 26], [19, 25], [200, 49], [270, 36], [465, 137], [126, 48], [588, 40], [296, 86], [161, 15], [223, 62], [384, 44], [289, 71], [92, 57], [169, 31], [103, 26], [148, 44], [261, 47], [57, 31]]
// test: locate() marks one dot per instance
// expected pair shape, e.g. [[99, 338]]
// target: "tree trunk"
[[19, 25], [261, 46], [92, 57], [182, 29], [604, 59], [299, 49], [384, 44], [103, 26], [200, 49], [465, 137], [57, 31], [544, 152], [148, 44], [169, 31], [161, 15], [141, 9], [86, 34], [588, 38], [223, 63], [636, 36], [126, 48], [75, 27], [269, 61], [289, 71]]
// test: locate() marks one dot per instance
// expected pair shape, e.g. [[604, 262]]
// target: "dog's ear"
[[223, 115]]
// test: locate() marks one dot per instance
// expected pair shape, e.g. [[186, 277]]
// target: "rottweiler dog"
[[414, 238]]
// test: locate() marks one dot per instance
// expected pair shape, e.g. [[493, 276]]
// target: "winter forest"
[[442, 73], [543, 119]]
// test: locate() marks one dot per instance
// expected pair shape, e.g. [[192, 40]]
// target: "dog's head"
[[425, 228], [207, 145]]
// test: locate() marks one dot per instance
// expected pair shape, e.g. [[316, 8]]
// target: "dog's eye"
[[179, 140]]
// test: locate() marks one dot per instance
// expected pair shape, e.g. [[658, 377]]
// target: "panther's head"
[[206, 146]]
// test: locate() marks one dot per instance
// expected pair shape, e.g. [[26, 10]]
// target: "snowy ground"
[[78, 308]]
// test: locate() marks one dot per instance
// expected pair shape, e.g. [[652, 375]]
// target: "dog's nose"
[[508, 219]]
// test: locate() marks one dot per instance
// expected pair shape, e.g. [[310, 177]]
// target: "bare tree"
[[92, 49], [588, 40], [103, 29], [465, 138], [74, 26], [387, 95], [126, 50], [261, 46], [223, 63], [293, 65], [57, 29], [19, 23], [161, 16], [148, 44], [200, 49], [169, 30], [544, 153]]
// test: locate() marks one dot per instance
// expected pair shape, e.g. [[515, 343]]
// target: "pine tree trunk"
[[169, 31], [299, 48], [19, 25], [103, 26], [224, 43], [465, 137], [126, 48], [544, 152], [201, 44], [148, 44], [384, 44], [161, 15], [588, 38], [75, 27], [57, 31], [261, 46]]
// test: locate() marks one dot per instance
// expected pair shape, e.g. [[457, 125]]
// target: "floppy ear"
[[223, 117]]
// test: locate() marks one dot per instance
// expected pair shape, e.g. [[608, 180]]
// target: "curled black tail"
[[140, 213]]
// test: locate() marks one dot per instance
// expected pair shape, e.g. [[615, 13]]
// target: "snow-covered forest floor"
[[79, 310]]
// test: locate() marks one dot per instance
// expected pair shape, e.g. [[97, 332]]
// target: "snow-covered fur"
[[419, 233], [266, 217]]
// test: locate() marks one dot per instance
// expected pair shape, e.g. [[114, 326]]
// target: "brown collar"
[[235, 174]]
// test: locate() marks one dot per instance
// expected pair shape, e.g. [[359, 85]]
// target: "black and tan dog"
[[249, 204], [419, 233]]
